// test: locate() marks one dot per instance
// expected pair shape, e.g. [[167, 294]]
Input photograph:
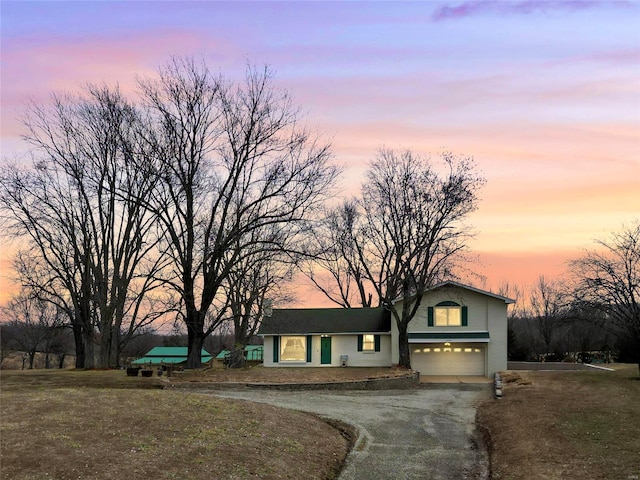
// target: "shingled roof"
[[451, 283], [302, 321]]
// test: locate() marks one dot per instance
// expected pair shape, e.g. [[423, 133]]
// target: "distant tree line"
[[595, 307], [24, 345], [32, 326], [547, 327]]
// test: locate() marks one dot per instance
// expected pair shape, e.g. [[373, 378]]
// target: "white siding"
[[267, 353], [340, 345], [475, 302], [497, 348], [348, 345], [485, 313]]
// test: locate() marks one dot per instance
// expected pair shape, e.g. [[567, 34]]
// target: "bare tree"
[[79, 209], [35, 324], [139, 345], [582, 334], [548, 302], [515, 292], [332, 260], [229, 160], [406, 230], [607, 280], [517, 325], [257, 278], [56, 258], [5, 344]]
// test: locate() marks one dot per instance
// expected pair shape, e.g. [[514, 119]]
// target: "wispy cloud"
[[470, 9]]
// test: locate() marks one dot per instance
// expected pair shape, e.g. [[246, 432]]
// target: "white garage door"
[[457, 359]]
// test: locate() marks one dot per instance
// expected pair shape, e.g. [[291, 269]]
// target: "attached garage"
[[453, 359]]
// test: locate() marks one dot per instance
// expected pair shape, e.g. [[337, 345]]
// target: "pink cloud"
[[504, 147], [532, 93], [34, 68], [40, 65]]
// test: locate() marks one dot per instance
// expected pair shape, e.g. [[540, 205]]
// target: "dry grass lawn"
[[105, 425], [565, 425]]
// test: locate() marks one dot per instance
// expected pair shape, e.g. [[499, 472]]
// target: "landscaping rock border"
[[396, 383]]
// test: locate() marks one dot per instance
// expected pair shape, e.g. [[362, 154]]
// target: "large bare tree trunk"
[[404, 355], [115, 349], [104, 349], [88, 346], [79, 344], [196, 342], [61, 357], [32, 356]]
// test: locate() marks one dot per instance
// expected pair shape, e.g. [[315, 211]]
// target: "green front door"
[[325, 350]]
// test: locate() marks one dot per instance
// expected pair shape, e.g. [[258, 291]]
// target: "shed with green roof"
[[169, 356], [253, 353]]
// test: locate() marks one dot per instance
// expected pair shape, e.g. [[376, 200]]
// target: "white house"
[[458, 330], [322, 336]]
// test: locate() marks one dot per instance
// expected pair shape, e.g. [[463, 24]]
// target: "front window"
[[293, 349], [368, 343], [448, 316]]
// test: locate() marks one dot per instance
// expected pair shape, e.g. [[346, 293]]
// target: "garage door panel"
[[436, 359]]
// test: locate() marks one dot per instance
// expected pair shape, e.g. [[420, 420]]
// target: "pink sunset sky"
[[544, 95]]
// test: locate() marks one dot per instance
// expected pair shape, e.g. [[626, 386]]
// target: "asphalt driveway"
[[427, 433]]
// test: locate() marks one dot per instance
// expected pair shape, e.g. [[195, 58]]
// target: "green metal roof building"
[[252, 353], [169, 355]]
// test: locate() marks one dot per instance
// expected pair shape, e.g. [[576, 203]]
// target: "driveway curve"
[[427, 433]]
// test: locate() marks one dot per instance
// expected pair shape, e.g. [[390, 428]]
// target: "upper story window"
[[448, 314]]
